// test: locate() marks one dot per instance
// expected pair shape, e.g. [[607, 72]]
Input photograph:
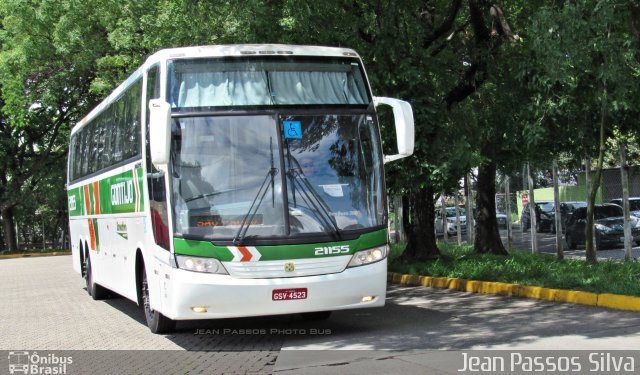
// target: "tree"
[[482, 95], [583, 55], [45, 74]]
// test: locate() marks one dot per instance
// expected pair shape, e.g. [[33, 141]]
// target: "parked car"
[[546, 219], [543, 220], [451, 221], [608, 226], [566, 210], [634, 205], [501, 218]]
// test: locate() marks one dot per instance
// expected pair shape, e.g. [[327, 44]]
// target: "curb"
[[29, 255], [613, 301]]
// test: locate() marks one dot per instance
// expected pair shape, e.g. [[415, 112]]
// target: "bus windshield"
[[198, 84], [306, 174]]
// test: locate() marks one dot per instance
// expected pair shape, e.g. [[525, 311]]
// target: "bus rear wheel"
[[156, 322], [97, 292]]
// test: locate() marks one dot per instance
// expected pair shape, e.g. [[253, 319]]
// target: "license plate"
[[288, 294]]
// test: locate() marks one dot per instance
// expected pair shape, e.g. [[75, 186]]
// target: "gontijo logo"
[[122, 193], [332, 250]]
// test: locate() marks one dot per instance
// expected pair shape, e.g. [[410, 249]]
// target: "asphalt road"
[[45, 308]]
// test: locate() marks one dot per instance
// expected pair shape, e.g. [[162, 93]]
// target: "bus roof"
[[248, 50], [227, 50]]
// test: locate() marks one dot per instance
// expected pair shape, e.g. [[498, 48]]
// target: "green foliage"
[[612, 149], [533, 97], [577, 49], [524, 268]]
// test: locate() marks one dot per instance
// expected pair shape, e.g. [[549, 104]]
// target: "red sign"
[[525, 199]]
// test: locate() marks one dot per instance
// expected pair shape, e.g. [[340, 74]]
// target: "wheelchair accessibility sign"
[[292, 129]]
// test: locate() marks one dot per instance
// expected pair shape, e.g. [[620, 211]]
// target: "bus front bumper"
[[222, 296]]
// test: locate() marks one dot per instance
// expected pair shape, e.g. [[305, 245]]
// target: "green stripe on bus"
[[118, 195], [76, 201], [96, 233], [279, 252], [140, 192]]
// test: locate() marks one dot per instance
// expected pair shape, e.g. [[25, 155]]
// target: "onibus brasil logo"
[[21, 362]]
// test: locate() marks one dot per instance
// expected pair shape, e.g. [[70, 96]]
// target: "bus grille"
[[287, 268]]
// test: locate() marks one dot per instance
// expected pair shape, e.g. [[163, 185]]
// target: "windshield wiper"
[[200, 196], [312, 198], [308, 192], [251, 213]]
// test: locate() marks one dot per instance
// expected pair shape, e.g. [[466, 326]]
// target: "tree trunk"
[[624, 178], [558, 214], [590, 249], [406, 212], [443, 216], [420, 231], [507, 194], [9, 229], [458, 226], [468, 207], [533, 216], [487, 234]]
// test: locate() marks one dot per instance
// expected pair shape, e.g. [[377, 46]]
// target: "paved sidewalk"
[[45, 307]]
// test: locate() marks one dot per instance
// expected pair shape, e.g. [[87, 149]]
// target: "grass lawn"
[[525, 269]]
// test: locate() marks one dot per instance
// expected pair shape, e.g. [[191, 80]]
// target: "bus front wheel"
[[156, 322]]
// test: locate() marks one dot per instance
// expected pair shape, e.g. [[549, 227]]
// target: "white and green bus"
[[235, 181]]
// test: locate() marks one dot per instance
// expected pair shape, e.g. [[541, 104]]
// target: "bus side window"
[[93, 150], [132, 120]]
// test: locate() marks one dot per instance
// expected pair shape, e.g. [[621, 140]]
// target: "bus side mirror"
[[405, 134], [160, 131]]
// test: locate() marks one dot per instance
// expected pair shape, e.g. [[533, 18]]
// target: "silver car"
[[451, 221]]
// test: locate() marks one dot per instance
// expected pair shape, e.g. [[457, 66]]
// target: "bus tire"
[[316, 315], [156, 322], [83, 263], [97, 292]]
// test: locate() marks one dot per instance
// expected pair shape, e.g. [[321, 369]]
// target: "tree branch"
[[467, 86], [445, 43], [446, 24], [485, 46], [501, 27]]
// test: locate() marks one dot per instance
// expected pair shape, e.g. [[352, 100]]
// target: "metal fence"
[[556, 223]]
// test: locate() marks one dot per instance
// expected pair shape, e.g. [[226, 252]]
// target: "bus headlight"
[[368, 256], [200, 264]]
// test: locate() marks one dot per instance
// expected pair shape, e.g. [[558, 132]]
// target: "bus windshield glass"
[[201, 84], [303, 173]]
